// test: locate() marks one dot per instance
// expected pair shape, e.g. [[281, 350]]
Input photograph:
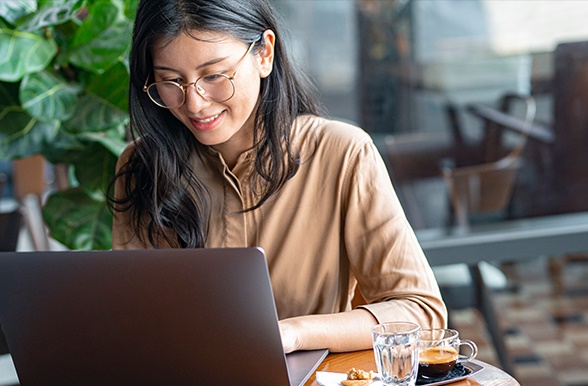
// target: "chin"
[[209, 140]]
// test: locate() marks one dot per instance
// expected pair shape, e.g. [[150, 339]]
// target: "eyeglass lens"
[[216, 87]]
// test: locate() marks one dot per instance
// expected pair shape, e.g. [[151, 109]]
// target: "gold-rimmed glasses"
[[213, 87]]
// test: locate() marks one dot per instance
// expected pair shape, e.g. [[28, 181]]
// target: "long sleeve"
[[393, 273]]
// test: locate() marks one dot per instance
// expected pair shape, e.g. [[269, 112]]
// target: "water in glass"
[[397, 359]]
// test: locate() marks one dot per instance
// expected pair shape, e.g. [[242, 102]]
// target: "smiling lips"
[[208, 123], [206, 120]]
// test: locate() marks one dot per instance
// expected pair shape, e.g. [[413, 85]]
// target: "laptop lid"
[[148, 317]]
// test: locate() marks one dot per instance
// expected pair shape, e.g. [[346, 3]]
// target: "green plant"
[[63, 94]]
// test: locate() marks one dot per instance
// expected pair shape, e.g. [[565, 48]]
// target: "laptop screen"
[[149, 317]]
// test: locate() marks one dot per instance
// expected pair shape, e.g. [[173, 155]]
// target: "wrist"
[[291, 335]]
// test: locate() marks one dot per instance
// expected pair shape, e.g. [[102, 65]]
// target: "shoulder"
[[126, 154], [329, 134]]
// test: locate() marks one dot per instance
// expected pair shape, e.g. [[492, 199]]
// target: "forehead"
[[199, 45]]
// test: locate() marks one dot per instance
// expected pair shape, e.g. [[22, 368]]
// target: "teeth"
[[208, 119]]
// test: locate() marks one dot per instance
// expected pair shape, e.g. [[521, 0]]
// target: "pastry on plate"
[[358, 377]]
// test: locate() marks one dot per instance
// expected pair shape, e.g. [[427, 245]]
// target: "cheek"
[[250, 94]]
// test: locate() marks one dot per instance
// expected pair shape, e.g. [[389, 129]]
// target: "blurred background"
[[443, 87]]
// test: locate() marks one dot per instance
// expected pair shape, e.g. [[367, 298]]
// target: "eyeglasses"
[[213, 87]]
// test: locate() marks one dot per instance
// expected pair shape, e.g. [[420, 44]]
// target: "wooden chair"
[[559, 145], [487, 187], [29, 188], [481, 188]]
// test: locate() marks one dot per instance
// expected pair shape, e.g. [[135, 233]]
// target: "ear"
[[266, 57]]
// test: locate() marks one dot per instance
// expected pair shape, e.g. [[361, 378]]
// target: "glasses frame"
[[184, 87]]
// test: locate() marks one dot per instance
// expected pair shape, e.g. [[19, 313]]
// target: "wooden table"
[[341, 363]]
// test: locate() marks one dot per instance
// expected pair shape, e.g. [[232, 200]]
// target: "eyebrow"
[[203, 65]]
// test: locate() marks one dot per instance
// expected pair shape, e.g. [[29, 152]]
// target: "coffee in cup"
[[436, 362], [439, 352]]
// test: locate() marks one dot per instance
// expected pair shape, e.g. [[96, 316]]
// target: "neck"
[[237, 145], [240, 142]]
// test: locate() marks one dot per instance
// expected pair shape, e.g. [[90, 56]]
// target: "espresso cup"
[[439, 352]]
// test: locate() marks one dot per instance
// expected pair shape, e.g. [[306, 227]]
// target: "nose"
[[194, 101]]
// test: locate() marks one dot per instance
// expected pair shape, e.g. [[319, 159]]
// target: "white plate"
[[325, 378]]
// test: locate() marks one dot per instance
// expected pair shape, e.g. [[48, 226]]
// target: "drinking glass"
[[396, 352]]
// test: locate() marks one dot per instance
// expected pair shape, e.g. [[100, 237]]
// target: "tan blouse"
[[335, 224]]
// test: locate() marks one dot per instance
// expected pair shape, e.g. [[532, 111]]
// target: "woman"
[[229, 151]]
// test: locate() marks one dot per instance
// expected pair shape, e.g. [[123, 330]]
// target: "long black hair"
[[165, 200]]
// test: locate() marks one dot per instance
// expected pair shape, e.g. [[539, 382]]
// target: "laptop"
[[145, 317]]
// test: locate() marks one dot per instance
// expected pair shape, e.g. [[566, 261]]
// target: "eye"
[[214, 78], [169, 78], [175, 80]]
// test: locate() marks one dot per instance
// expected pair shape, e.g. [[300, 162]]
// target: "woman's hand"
[[290, 338]]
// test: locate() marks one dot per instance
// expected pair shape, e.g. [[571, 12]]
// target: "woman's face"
[[226, 126]]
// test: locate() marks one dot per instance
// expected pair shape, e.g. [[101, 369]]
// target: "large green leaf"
[[23, 53], [112, 86], [51, 13], [85, 148], [48, 97], [12, 10], [63, 35], [112, 140], [21, 135], [103, 37], [95, 114], [78, 221], [94, 164], [95, 171], [63, 148], [101, 15], [131, 9], [103, 52]]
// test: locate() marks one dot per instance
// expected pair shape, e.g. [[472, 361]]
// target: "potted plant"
[[63, 94]]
